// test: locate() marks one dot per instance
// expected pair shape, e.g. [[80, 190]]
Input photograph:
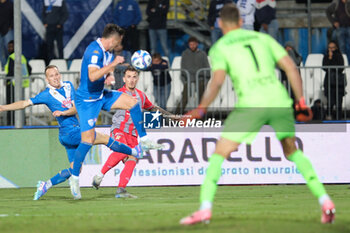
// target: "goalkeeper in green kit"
[[249, 58]]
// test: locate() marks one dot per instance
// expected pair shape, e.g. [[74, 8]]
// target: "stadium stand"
[[38, 65], [313, 78], [60, 63], [74, 72], [346, 100], [75, 66], [228, 96], [145, 84], [2, 87], [176, 83]]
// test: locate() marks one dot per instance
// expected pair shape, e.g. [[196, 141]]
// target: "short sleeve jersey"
[[249, 58], [59, 100], [94, 56], [122, 119]]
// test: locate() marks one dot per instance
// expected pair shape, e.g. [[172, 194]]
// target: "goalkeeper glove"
[[197, 113], [302, 111]]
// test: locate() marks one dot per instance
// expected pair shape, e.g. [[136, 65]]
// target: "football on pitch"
[[141, 60]]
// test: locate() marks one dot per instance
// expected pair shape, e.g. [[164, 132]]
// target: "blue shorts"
[[88, 111], [70, 138]]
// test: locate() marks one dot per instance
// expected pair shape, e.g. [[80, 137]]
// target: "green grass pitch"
[[238, 209]]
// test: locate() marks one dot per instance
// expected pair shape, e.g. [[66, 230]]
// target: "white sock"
[[48, 184], [100, 174], [144, 138], [323, 198], [133, 152], [75, 177], [206, 205]]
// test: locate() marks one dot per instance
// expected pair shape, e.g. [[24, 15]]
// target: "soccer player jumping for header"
[[97, 69], [249, 58]]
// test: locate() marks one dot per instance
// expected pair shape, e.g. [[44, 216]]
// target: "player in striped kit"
[[123, 130]]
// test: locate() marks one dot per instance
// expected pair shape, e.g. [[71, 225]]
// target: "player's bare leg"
[[316, 187], [117, 146], [208, 189]]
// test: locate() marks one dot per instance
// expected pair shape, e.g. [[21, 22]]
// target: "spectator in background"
[[55, 13], [120, 68], [6, 28], [213, 16], [157, 11], [10, 84], [338, 13], [127, 15], [334, 81], [265, 15], [247, 10], [161, 80], [318, 111], [293, 53], [193, 59]]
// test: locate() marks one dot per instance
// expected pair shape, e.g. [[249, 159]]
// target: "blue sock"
[[137, 119], [119, 147], [61, 176], [80, 154]]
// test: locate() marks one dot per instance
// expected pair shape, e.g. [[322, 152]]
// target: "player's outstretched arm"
[[15, 106], [303, 112], [287, 64]]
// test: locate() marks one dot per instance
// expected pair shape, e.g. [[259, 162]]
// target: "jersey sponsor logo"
[[152, 120], [97, 52], [94, 59]]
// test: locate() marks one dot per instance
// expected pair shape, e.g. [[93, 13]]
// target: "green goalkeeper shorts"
[[243, 124]]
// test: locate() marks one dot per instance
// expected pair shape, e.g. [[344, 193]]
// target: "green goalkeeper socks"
[[304, 166], [208, 188]]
